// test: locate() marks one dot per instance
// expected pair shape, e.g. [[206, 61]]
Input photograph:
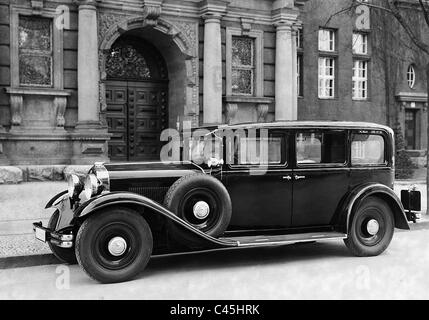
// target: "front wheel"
[[114, 245], [371, 229]]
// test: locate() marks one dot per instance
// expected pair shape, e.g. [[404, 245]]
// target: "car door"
[[261, 194], [320, 176]]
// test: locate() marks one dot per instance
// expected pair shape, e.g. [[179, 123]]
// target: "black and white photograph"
[[200, 152]]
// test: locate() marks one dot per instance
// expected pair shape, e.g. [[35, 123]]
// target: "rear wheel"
[[114, 245], [63, 254], [371, 229]]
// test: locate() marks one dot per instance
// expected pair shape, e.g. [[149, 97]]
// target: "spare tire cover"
[[202, 201]]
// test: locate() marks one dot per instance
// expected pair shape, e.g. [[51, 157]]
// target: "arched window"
[[411, 76]]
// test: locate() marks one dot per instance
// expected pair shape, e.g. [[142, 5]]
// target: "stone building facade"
[[89, 80]]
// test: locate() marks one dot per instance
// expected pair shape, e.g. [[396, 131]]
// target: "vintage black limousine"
[[289, 182]]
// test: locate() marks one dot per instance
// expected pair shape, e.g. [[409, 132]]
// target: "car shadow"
[[242, 257]]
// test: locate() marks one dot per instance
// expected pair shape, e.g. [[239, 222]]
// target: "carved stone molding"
[[213, 8], [16, 108], [190, 30], [184, 33], [151, 11], [37, 6], [231, 112], [60, 104], [262, 111], [285, 16], [107, 20], [92, 3], [246, 25]]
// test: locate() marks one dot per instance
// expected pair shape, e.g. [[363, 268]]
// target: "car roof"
[[305, 124]]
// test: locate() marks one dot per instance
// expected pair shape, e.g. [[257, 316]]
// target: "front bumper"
[[62, 235], [46, 235]]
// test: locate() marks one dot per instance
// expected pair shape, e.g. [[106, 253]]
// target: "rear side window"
[[320, 148], [368, 149]]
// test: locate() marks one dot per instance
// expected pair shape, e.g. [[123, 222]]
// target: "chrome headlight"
[[91, 186], [75, 185], [96, 181]]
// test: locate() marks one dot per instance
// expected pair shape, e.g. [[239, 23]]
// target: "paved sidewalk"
[[23, 204], [20, 206]]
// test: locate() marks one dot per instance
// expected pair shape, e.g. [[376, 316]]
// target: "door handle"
[[288, 178], [299, 177]]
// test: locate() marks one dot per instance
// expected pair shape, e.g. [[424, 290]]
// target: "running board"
[[256, 241]]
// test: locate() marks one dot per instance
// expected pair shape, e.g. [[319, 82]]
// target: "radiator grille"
[[155, 193]]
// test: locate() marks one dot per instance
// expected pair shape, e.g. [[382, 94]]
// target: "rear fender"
[[110, 199], [358, 195]]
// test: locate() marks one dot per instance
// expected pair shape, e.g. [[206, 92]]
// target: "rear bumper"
[[46, 235]]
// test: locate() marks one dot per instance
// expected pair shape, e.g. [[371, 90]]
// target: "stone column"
[[90, 137], [286, 74], [212, 84], [88, 73]]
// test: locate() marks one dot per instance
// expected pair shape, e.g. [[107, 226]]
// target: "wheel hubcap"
[[372, 227], [117, 246], [201, 210]]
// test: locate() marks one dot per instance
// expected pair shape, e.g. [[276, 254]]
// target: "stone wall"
[[4, 62]]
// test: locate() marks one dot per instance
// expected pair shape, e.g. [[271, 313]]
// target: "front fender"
[[53, 201], [109, 199], [357, 196]]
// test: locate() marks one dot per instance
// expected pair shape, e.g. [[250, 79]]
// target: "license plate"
[[40, 234]]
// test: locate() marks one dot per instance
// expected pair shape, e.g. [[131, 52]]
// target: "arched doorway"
[[136, 98]]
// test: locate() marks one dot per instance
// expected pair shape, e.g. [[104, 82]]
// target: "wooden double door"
[[137, 112]]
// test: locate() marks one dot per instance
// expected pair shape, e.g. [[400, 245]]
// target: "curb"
[[28, 261], [49, 259]]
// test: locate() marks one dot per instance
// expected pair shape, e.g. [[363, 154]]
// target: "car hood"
[[139, 170]]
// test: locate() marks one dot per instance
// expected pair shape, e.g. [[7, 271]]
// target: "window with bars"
[[360, 80], [243, 65], [326, 77], [360, 43], [35, 51], [411, 76], [327, 40]]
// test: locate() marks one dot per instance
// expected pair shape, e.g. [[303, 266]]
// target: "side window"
[[368, 149], [320, 148], [260, 151]]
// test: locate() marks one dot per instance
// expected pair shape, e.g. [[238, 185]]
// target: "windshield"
[[205, 146]]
